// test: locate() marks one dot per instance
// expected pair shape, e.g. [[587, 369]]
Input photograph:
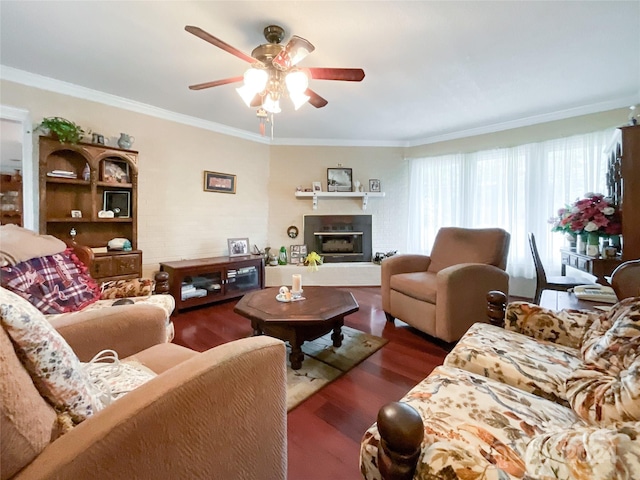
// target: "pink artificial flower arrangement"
[[592, 214]]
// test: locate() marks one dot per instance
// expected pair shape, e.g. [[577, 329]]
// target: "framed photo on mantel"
[[339, 180]]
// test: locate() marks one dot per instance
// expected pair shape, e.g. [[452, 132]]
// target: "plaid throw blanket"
[[53, 284]]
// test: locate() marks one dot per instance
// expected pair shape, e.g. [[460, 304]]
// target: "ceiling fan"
[[274, 73]]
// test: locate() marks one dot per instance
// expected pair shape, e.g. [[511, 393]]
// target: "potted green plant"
[[64, 130]]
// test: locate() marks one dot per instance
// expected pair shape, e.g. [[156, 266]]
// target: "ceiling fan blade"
[[315, 99], [215, 83], [343, 74], [207, 37], [296, 49]]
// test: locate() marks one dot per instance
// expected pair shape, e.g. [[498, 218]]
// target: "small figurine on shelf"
[[86, 173]]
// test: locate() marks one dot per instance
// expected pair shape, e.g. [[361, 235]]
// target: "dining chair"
[[559, 284], [625, 279]]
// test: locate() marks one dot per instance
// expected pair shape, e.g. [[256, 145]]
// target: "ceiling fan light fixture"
[[246, 93], [299, 99], [297, 81], [256, 79], [296, 49], [271, 105]]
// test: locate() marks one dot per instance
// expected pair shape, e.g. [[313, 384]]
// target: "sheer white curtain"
[[517, 188]]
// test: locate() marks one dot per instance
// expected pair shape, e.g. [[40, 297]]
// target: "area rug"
[[323, 363]]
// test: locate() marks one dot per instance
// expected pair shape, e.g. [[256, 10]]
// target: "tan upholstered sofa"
[[444, 293], [553, 395], [217, 414], [54, 277]]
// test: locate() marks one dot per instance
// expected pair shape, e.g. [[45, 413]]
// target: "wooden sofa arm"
[[496, 305], [221, 414], [401, 434]]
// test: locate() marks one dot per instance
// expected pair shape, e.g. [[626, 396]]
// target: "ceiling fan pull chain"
[[272, 126]]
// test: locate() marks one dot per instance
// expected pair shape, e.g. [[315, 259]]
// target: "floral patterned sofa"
[[552, 395]]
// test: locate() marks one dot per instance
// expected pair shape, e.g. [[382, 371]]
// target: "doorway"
[[19, 180]]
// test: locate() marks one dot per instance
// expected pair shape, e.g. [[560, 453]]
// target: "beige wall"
[[300, 166], [177, 219]]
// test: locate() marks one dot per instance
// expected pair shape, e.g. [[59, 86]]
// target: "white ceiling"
[[433, 69]]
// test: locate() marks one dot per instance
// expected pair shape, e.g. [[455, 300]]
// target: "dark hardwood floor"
[[324, 432]]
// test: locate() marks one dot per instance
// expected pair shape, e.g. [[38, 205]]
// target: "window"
[[517, 188]]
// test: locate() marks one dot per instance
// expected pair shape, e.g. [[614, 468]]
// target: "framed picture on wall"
[[374, 185], [219, 182], [339, 180]]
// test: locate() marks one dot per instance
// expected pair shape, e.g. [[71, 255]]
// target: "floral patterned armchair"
[[552, 395]]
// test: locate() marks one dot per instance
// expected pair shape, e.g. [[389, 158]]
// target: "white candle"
[[296, 282]]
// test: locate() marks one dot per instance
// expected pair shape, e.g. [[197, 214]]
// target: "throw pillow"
[[605, 396], [614, 339], [565, 327], [54, 367], [53, 284], [140, 287], [586, 452]]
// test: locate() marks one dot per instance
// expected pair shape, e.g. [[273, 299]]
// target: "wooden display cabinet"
[[95, 169], [10, 200], [208, 280]]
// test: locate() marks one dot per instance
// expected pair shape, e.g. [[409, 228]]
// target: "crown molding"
[[66, 88], [528, 121], [45, 83]]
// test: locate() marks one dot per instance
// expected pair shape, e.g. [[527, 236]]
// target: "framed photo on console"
[[298, 254], [238, 247], [339, 180]]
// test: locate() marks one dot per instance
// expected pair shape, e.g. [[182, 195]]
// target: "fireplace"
[[339, 238]]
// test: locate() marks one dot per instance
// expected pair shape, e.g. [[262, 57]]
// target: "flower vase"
[[593, 245], [614, 241], [571, 239], [581, 244]]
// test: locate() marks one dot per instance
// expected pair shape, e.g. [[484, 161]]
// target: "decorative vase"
[[571, 239], [581, 244], [282, 257], [125, 141], [593, 245]]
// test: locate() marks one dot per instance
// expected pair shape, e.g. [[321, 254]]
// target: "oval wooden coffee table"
[[323, 310]]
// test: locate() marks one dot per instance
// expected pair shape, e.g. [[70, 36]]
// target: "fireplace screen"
[[339, 238]]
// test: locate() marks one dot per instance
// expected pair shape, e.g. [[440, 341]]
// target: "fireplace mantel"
[[315, 195]]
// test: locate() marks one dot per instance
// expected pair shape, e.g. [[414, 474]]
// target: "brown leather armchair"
[[444, 293]]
